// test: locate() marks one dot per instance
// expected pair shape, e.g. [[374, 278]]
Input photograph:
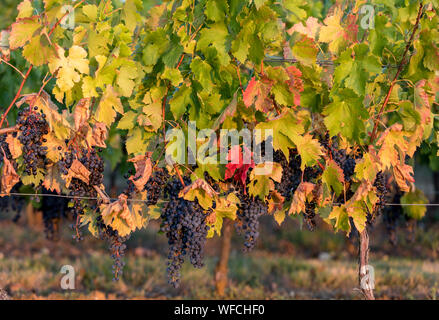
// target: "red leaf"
[[250, 92], [239, 166]]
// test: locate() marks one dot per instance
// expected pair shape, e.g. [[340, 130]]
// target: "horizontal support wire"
[[139, 200]]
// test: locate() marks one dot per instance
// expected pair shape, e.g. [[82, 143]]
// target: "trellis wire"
[[140, 200]]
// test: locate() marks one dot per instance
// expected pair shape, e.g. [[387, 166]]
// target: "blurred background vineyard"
[[288, 263]]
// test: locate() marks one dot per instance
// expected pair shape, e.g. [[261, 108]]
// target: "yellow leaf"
[[108, 106], [69, 68]]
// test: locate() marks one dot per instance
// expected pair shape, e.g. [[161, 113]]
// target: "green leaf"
[[418, 211], [309, 149], [305, 51], [180, 100], [137, 141], [173, 75], [346, 115], [128, 120], [202, 72], [216, 10], [333, 177]]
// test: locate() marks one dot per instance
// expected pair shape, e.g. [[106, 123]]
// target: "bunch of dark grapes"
[[32, 127], [309, 215], [184, 224], [154, 186], [4, 150], [211, 182], [291, 173], [380, 185], [345, 161], [117, 246], [78, 188], [248, 214], [13, 203], [54, 208]]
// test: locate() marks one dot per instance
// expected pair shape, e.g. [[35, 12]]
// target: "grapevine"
[[346, 108]]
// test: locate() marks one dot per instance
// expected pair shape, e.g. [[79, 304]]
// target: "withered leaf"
[[143, 166], [300, 195], [82, 112], [52, 179], [9, 177], [14, 146], [79, 171]]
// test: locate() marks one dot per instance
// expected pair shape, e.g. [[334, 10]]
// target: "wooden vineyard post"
[[221, 279], [365, 273]]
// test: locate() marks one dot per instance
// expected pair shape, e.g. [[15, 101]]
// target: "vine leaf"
[[81, 112], [367, 167], [303, 192], [52, 179], [341, 217], [14, 146], [403, 173], [53, 143], [310, 28], [228, 111], [332, 32], [257, 93], [262, 177], [119, 216], [275, 206], [9, 176], [333, 177], [226, 207], [305, 51], [25, 9], [78, 171], [238, 167], [98, 135], [22, 32], [69, 69], [201, 190], [309, 149], [143, 166], [108, 106], [417, 197]]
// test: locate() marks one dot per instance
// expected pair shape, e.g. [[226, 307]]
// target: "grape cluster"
[[345, 161], [380, 185], [32, 127], [54, 208], [248, 214], [13, 203], [184, 224], [211, 182], [291, 173], [4, 147], [154, 186], [117, 247], [309, 215], [78, 188]]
